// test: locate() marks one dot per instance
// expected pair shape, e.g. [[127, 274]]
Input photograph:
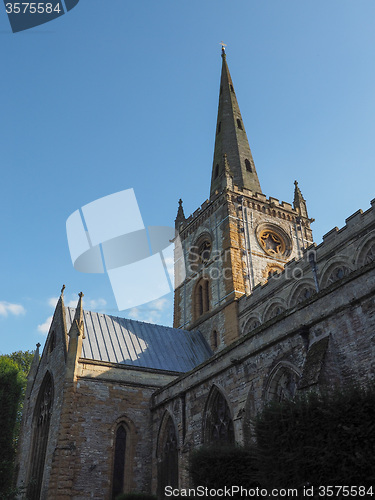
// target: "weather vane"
[[223, 45]]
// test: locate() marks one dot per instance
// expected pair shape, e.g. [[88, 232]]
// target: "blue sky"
[[123, 94]]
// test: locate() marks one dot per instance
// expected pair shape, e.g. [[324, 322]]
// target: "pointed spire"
[[231, 139], [77, 327], [180, 215], [299, 202], [76, 334]]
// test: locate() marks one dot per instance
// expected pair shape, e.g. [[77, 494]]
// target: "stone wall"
[[323, 339], [233, 221], [105, 396], [54, 362]]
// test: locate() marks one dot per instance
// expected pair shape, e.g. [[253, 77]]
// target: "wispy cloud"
[[9, 308], [150, 313], [95, 303], [134, 313], [87, 302], [160, 304], [53, 301], [44, 327]]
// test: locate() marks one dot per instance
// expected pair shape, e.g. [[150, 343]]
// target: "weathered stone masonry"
[[260, 313]]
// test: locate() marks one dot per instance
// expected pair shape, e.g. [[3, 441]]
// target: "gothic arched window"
[[41, 423], [202, 297], [283, 384], [168, 465], [219, 423], [337, 274], [304, 293], [370, 255], [248, 165], [239, 124], [119, 461]]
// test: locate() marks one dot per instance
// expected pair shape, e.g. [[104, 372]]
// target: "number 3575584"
[[32, 8]]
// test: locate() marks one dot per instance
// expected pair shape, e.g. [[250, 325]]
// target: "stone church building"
[[262, 312]]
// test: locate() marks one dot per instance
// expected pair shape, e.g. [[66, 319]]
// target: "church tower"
[[237, 238]]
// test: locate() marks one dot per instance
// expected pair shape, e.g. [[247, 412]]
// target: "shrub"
[[224, 466], [135, 496], [318, 439]]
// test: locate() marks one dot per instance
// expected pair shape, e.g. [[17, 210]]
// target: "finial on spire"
[[180, 215], [77, 327], [223, 45], [38, 345], [62, 290], [299, 202]]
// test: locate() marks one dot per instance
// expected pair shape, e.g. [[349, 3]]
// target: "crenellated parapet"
[[256, 201], [341, 253]]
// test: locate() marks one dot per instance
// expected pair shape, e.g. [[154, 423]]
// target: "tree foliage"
[[135, 496], [11, 385], [23, 359], [13, 379], [218, 467], [320, 439]]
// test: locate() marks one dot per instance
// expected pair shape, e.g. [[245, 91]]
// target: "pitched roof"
[[134, 343]]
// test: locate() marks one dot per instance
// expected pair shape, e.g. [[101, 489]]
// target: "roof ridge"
[[129, 319]]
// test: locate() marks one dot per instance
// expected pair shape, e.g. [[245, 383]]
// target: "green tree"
[[11, 386], [23, 360], [318, 439], [14, 369]]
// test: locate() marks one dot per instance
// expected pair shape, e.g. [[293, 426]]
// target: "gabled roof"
[[134, 343]]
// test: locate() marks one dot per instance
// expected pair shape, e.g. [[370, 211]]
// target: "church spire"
[[299, 202], [180, 215], [231, 139], [76, 334]]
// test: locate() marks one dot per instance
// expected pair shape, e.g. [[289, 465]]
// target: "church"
[[261, 312]]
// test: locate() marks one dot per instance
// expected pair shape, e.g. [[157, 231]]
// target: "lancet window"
[[168, 465], [119, 461], [41, 424], [202, 297]]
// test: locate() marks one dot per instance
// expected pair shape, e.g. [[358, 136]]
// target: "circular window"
[[274, 241], [271, 242]]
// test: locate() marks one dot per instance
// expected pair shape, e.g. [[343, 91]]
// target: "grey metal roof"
[[134, 343]]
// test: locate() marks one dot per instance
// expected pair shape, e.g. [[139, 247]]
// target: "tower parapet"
[[238, 237], [342, 254]]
